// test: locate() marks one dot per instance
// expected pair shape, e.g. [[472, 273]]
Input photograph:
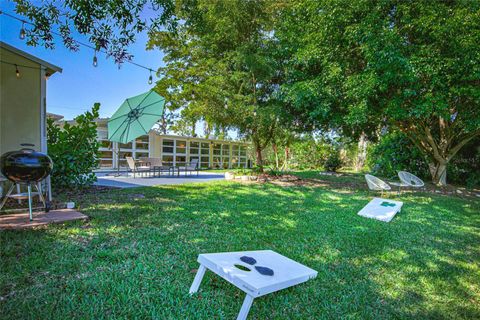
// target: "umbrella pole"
[[118, 164]]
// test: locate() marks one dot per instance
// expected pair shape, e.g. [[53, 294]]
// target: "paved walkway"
[[127, 181]]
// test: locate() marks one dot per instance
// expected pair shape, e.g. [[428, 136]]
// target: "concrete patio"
[[126, 180]]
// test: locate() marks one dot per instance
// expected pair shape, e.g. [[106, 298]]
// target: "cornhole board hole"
[[286, 273], [381, 209]]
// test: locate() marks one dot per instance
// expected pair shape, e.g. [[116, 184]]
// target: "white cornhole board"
[[375, 210], [287, 273]]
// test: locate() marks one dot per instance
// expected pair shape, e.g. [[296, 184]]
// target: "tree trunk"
[[275, 152], [194, 125], [438, 170], [258, 154], [163, 127], [362, 152], [207, 129], [287, 156], [440, 150], [259, 159]]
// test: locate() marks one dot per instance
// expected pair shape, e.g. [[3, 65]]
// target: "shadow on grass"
[[137, 255]]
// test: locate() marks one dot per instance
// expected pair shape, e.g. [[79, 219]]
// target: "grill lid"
[[25, 165]]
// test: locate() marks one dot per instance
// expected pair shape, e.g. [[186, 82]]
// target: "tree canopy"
[[110, 25], [220, 68], [361, 65], [353, 67]]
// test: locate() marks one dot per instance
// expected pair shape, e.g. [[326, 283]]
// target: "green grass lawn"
[[136, 257]]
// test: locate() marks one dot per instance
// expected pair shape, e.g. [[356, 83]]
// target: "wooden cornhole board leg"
[[247, 302], [198, 279]]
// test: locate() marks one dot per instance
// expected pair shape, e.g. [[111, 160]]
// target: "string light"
[[22, 31], [17, 71], [22, 36], [254, 112], [150, 78], [95, 60]]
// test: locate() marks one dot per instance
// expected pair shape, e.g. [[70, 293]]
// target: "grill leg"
[[40, 193], [18, 191], [29, 188], [49, 189], [6, 196]]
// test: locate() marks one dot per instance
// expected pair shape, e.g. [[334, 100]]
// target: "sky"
[[80, 85]]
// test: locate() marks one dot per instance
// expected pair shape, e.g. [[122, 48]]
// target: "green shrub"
[[333, 162], [74, 150], [274, 172], [254, 170], [309, 153], [464, 168]]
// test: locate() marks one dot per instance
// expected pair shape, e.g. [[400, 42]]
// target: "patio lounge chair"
[[193, 166], [376, 184], [136, 166], [156, 164], [410, 180]]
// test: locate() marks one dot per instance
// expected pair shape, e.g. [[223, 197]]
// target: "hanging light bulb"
[[255, 112], [17, 72], [22, 31], [150, 78], [95, 60]]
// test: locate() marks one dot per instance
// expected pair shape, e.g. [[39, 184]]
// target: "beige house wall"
[[20, 103]]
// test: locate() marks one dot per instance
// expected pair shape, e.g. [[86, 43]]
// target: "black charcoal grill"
[[29, 167]]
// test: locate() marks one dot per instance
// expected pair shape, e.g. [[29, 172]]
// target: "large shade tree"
[[360, 65], [220, 68]]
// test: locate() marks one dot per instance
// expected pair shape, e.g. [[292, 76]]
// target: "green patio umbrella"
[[135, 117]]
